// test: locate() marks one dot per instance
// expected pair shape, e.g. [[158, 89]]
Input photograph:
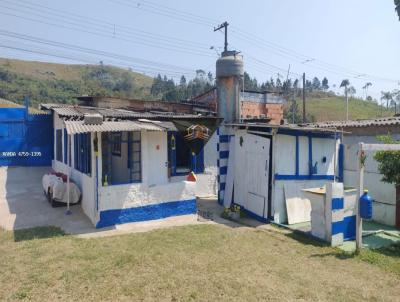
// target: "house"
[[253, 104], [386, 199], [263, 168], [132, 166]]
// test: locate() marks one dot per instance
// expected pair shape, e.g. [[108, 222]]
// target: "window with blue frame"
[[82, 153], [59, 145], [65, 146], [125, 166], [116, 143]]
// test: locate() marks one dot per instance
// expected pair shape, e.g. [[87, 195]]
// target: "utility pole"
[[347, 103], [225, 26], [304, 97]]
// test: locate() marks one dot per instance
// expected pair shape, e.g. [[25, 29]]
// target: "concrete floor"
[[23, 205]]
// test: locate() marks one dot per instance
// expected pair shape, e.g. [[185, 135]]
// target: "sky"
[[357, 40]]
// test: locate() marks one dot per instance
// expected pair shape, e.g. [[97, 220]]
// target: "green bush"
[[389, 162]]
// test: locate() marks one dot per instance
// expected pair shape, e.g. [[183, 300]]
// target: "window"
[[59, 145], [82, 153], [134, 156], [116, 143], [125, 166]]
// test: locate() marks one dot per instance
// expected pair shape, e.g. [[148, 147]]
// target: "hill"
[[330, 107], [61, 83]]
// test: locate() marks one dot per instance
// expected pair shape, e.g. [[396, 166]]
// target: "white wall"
[[279, 202], [285, 154], [207, 181], [137, 195], [384, 194]]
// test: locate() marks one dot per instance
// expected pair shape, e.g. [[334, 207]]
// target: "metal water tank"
[[230, 64]]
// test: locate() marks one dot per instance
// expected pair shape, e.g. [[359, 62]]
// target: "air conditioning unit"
[[93, 119]]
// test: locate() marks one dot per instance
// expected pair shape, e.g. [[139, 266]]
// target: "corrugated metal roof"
[[79, 111], [379, 122], [286, 126], [74, 127]]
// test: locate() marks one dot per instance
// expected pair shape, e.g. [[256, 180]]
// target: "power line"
[[81, 27], [277, 49], [90, 51], [52, 53]]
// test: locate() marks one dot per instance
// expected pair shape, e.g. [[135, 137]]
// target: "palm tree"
[[387, 96], [352, 91], [365, 87], [345, 83]]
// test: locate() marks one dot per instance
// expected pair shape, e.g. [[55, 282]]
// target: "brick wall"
[[256, 110]]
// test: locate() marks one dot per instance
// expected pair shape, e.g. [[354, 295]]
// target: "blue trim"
[[65, 146], [218, 147], [341, 162], [223, 170], [222, 186], [303, 177], [297, 155], [224, 138], [251, 214], [337, 203], [223, 154], [149, 212], [347, 226], [310, 157]]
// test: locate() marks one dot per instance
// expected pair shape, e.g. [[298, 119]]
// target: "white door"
[[251, 175]]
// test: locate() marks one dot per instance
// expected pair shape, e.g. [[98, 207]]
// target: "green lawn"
[[192, 263]]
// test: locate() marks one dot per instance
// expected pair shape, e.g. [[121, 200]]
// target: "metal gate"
[[25, 139]]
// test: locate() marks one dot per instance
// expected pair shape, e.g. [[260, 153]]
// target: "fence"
[[25, 139]]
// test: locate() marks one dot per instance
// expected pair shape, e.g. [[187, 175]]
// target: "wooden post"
[[360, 192]]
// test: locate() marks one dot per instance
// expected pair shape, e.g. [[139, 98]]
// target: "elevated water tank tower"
[[229, 72]]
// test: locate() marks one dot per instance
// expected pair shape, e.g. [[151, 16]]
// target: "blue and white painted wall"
[[301, 160], [333, 214], [156, 196], [224, 136]]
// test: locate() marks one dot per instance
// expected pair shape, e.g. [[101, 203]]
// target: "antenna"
[[225, 26]]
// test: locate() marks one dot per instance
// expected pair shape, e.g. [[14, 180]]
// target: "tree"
[[296, 83], [389, 162], [316, 84], [249, 83], [397, 7], [386, 96], [278, 83], [325, 85], [352, 91], [182, 82], [345, 83], [365, 87]]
